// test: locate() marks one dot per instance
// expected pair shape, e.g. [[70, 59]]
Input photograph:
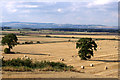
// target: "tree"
[[10, 40], [86, 47]]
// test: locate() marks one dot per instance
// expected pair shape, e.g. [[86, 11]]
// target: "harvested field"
[[106, 55]]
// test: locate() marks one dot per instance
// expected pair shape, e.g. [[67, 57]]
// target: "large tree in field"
[[10, 40], [86, 47]]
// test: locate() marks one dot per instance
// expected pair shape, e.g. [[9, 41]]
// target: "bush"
[[6, 50], [31, 42], [21, 33], [69, 40], [48, 36], [73, 37], [18, 42], [26, 42], [38, 42], [23, 43], [17, 62], [42, 66]]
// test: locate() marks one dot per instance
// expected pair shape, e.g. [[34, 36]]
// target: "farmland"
[[55, 47]]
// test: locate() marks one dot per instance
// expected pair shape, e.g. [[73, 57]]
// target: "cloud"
[[67, 12], [59, 10], [14, 6], [25, 11], [27, 6], [14, 10], [100, 2], [11, 7], [74, 6]]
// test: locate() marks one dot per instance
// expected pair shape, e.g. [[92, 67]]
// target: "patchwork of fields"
[[106, 55]]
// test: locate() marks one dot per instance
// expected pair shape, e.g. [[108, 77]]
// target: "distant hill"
[[52, 25]]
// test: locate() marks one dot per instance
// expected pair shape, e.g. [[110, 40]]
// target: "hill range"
[[53, 25]]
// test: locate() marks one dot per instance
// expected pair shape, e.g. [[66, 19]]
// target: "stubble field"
[[106, 55]]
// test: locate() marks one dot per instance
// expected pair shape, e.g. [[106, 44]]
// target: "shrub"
[[31, 42], [38, 42], [69, 40], [23, 43], [6, 50], [17, 62], [18, 42], [27, 64], [73, 37], [43, 64], [26, 42], [48, 36], [21, 33]]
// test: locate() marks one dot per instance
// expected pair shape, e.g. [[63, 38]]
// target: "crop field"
[[54, 49]]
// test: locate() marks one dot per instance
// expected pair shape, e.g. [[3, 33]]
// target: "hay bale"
[[82, 67], [105, 68], [62, 59], [2, 57], [25, 56], [48, 54], [91, 65], [22, 57]]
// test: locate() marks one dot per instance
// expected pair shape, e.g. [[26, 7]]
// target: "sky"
[[103, 12]]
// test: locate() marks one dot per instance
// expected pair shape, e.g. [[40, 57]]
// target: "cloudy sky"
[[103, 12]]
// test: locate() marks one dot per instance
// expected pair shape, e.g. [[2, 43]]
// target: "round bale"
[[62, 59], [82, 67], [91, 65], [106, 68]]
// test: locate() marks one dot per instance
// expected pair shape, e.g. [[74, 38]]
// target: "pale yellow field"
[[106, 54], [89, 36], [43, 39]]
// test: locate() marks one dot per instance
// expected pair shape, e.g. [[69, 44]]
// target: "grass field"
[[106, 55]]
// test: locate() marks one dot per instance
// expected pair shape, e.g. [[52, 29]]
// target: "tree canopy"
[[10, 40], [86, 47]]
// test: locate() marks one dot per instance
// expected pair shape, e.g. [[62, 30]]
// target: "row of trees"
[[85, 46]]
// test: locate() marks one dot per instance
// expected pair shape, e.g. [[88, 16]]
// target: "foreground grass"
[[17, 69], [21, 65]]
